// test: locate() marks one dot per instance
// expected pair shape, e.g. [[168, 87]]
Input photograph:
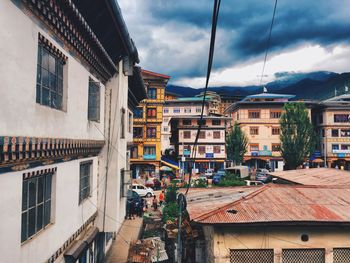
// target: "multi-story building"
[[258, 115], [227, 101], [332, 118], [214, 101], [148, 117], [189, 106], [170, 96], [63, 128], [211, 147]]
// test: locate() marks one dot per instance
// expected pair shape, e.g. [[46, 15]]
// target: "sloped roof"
[[277, 205], [315, 176], [269, 96]]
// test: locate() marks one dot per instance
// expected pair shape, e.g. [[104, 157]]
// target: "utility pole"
[[179, 249]]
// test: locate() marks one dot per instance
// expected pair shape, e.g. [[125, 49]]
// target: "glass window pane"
[[47, 213], [32, 192], [45, 59], [31, 222], [45, 77], [25, 195], [59, 69], [45, 97], [59, 101], [40, 189], [38, 75], [59, 86], [39, 219], [39, 54], [52, 64], [53, 82], [54, 100], [24, 227], [38, 93], [48, 187]]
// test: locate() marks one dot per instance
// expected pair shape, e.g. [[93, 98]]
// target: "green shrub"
[[170, 194], [170, 212], [229, 182], [200, 183]]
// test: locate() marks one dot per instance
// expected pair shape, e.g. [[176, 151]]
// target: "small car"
[[263, 177], [217, 178], [142, 190], [251, 183], [209, 173]]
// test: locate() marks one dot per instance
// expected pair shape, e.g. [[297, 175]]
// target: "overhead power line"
[[268, 42], [210, 63]]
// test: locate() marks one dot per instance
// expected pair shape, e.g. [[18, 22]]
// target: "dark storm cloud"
[[243, 30]]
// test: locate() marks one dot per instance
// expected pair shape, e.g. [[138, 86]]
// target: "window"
[[94, 101], [201, 149], [275, 131], [345, 147], [252, 255], [341, 117], [130, 122], [152, 93], [323, 132], [254, 114], [138, 132], [303, 255], [165, 128], [151, 112], [85, 180], [345, 133], [122, 183], [335, 133], [341, 255], [138, 113], [276, 147], [151, 132], [150, 150], [49, 81], [187, 110], [198, 110], [217, 149], [176, 110], [254, 130], [122, 123], [254, 147], [216, 135], [165, 119], [202, 122], [275, 114], [187, 134], [134, 152], [186, 122], [216, 122], [202, 135], [165, 110], [36, 204], [335, 146]]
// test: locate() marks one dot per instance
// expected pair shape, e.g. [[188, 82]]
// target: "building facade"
[[211, 148], [68, 88], [332, 119], [148, 117]]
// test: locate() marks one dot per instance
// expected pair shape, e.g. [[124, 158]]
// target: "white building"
[[65, 124]]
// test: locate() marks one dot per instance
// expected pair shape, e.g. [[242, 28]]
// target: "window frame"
[[251, 113], [152, 110], [216, 122], [254, 145], [254, 130], [216, 135], [201, 149], [275, 114], [85, 196], [151, 132], [140, 134], [274, 129], [94, 98], [187, 133], [216, 149], [273, 145], [149, 147], [153, 92]]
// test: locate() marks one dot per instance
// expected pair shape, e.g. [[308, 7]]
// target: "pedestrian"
[[161, 198], [132, 209], [155, 203]]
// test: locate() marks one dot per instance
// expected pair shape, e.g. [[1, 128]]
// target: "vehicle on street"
[[255, 183], [135, 197], [217, 178], [240, 171], [209, 173], [153, 183], [263, 177], [142, 190]]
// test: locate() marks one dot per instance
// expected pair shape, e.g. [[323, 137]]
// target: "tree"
[[236, 144], [298, 138]]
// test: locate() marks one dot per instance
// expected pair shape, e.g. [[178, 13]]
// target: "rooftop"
[[283, 205], [315, 176], [268, 96]]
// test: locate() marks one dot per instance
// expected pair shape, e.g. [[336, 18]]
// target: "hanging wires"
[[210, 62], [268, 42]]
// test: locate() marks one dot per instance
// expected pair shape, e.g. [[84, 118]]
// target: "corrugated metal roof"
[[273, 204], [269, 96], [315, 176]]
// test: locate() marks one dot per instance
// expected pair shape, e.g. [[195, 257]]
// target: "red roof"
[[155, 74], [285, 204]]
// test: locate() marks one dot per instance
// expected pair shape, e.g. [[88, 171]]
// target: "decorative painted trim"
[[52, 48], [72, 238], [39, 172], [20, 153], [64, 19]]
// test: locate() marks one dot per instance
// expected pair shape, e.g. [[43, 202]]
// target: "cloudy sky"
[[172, 37]]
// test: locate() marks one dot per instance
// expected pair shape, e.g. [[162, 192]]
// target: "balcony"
[[149, 157]]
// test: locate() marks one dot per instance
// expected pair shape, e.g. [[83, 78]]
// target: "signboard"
[[341, 155], [187, 153], [341, 151], [265, 153], [209, 155], [255, 153]]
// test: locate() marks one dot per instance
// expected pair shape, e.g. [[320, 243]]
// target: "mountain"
[[313, 85]]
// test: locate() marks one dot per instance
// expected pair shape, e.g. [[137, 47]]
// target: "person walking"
[[155, 203], [161, 198], [132, 209]]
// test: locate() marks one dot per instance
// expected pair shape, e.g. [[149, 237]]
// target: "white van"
[[239, 170]]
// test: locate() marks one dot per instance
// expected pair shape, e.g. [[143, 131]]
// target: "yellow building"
[[145, 154]]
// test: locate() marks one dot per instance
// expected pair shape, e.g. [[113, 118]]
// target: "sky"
[[172, 38]]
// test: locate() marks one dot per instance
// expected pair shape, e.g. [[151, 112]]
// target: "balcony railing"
[[149, 157]]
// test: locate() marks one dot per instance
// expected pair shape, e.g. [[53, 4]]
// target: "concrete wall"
[[67, 214], [20, 114], [280, 238]]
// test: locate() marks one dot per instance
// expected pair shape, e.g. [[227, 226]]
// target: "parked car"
[[220, 172], [240, 171], [250, 183], [217, 178], [133, 196], [209, 173], [263, 177], [143, 190]]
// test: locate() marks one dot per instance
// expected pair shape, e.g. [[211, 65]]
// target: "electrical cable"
[[210, 62], [268, 41]]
